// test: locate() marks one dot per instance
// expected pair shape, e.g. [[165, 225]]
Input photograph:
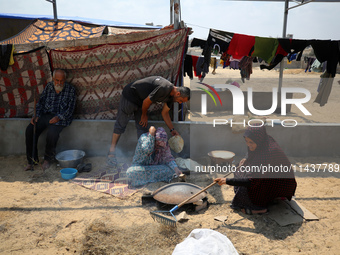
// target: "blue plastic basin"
[[68, 173]]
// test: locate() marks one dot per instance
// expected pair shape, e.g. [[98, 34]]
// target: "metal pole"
[[171, 11], [284, 34], [54, 2], [176, 10], [176, 14], [55, 11]]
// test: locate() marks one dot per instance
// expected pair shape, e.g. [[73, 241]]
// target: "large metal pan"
[[175, 193]]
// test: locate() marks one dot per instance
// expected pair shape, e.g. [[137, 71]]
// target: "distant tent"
[[48, 31]]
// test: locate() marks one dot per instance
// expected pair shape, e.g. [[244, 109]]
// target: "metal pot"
[[70, 158]]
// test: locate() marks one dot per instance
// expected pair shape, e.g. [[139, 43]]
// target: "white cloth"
[[188, 164], [205, 242]]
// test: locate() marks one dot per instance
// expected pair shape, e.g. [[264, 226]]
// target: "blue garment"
[[61, 105], [142, 170]]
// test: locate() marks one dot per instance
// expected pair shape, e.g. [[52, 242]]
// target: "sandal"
[[250, 212], [82, 167], [112, 160]]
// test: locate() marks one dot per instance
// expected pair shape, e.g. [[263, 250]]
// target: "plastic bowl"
[[68, 173], [70, 158]]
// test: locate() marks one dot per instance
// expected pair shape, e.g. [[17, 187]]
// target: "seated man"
[[54, 111], [136, 99]]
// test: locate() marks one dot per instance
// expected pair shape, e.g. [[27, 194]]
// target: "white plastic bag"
[[205, 242]]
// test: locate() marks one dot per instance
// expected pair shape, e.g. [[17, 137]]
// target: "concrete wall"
[[94, 137]]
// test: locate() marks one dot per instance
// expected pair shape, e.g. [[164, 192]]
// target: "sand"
[[44, 214]]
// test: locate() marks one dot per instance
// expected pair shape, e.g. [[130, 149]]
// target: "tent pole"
[[54, 2], [55, 11], [176, 12], [171, 11], [284, 34]]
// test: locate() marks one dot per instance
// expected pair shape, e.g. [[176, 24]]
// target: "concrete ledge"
[[94, 137]]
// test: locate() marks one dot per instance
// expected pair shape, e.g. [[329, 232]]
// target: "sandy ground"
[[44, 214]]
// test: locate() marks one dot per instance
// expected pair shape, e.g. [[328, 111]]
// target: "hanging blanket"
[[30, 73], [99, 74]]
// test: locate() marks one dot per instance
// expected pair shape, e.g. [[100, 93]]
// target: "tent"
[[99, 67]]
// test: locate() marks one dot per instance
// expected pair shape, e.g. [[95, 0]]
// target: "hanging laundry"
[[265, 48], [246, 67], [324, 89], [291, 57], [213, 64], [327, 50], [279, 55], [317, 66], [201, 68], [198, 43], [241, 45], [207, 58], [309, 61], [219, 38], [194, 65], [6, 56], [234, 63], [188, 66]]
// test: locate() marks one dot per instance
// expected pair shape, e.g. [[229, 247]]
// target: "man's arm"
[[145, 107], [167, 119]]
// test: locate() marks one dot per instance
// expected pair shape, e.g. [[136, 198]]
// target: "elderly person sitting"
[[152, 161], [54, 112]]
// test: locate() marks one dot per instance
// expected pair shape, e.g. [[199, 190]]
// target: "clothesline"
[[271, 51]]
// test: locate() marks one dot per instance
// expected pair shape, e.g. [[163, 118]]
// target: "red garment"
[[194, 62], [241, 45], [264, 188], [281, 51]]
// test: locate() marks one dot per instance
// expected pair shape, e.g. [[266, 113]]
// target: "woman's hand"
[[220, 181], [178, 172]]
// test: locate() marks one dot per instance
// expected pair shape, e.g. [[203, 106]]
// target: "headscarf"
[[267, 152], [266, 187], [162, 149]]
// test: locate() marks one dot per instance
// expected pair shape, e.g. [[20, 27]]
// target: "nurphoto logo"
[[238, 103]]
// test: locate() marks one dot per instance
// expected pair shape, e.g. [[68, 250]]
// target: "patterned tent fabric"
[[30, 73], [47, 31], [100, 73]]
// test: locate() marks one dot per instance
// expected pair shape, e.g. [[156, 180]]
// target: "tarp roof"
[[79, 19], [47, 31]]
